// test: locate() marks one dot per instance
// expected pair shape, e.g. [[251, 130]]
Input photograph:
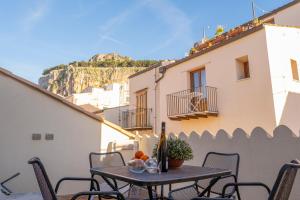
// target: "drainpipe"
[[162, 70]]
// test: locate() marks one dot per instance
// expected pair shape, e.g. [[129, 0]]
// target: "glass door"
[[198, 90], [198, 80]]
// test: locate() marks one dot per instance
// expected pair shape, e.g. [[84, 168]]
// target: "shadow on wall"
[[262, 154], [291, 110]]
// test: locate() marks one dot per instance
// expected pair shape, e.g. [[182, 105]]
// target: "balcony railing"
[[136, 119], [199, 102]]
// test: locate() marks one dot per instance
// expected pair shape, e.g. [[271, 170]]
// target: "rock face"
[[101, 69], [109, 56]]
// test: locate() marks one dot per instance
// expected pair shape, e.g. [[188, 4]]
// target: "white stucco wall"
[[24, 111], [289, 16], [261, 155], [243, 103], [284, 45]]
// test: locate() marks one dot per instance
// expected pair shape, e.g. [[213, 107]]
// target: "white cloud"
[[106, 30], [176, 22], [35, 14], [112, 39]]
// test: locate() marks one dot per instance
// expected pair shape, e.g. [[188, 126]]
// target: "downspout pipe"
[[162, 70]]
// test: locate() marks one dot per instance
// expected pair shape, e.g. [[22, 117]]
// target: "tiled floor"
[[68, 197]]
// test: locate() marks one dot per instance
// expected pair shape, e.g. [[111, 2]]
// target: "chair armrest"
[[118, 195], [5, 189], [236, 185], [76, 179], [214, 181]]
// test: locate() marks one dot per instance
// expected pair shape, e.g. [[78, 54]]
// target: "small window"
[[294, 67], [242, 68]]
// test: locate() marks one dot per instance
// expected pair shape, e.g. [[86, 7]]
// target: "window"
[[294, 67], [198, 79], [242, 68]]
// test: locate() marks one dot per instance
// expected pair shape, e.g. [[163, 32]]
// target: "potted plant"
[[178, 151]]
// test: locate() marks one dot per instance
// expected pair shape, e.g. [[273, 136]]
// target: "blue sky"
[[36, 34]]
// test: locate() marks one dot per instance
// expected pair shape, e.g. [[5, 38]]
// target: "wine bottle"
[[162, 150]]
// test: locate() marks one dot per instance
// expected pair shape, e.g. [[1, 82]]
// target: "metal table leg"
[[162, 191], [150, 192]]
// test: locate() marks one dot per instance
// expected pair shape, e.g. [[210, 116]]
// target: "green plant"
[[219, 30], [177, 149], [256, 21]]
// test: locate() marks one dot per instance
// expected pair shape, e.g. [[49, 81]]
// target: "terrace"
[[136, 119], [254, 164], [189, 104], [232, 33]]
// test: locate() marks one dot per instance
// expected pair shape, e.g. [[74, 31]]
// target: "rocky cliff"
[[101, 69]]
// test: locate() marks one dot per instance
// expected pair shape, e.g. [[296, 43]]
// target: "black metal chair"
[[115, 159], [212, 186], [108, 159], [3, 187], [282, 186], [49, 194]]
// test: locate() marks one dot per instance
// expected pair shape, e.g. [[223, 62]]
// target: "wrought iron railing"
[[199, 100], [136, 118]]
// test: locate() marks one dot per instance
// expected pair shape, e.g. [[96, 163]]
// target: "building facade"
[[248, 79], [36, 122], [112, 95]]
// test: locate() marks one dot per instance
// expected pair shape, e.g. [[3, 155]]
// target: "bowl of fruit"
[[137, 163], [141, 155]]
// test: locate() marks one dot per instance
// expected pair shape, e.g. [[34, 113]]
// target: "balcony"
[[136, 119], [189, 104]]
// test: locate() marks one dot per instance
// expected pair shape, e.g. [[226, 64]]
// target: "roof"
[[226, 41], [118, 128], [49, 94], [90, 108], [160, 64], [241, 35], [279, 9], [145, 70], [204, 51]]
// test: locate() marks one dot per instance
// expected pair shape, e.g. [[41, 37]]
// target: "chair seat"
[[138, 193], [184, 193], [104, 187]]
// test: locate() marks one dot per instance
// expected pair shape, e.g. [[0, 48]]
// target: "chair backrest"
[[108, 159], [285, 180], [42, 179], [228, 161]]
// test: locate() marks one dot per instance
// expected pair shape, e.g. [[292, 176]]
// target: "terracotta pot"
[[174, 163]]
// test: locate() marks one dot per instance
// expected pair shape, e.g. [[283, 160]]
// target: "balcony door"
[[141, 108], [198, 85], [198, 79]]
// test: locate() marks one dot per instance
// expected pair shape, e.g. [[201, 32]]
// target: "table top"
[[183, 174]]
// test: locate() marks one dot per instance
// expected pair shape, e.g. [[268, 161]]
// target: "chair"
[[3, 187], [115, 159], [108, 159], [212, 186], [49, 194], [282, 186]]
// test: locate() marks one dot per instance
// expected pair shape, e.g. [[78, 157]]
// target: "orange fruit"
[[144, 157], [139, 154]]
